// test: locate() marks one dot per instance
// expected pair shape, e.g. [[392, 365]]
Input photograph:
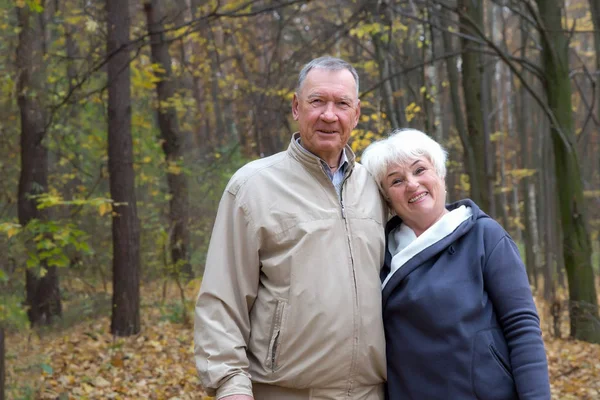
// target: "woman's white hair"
[[400, 147]]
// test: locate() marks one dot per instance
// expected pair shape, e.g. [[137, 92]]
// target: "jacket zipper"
[[274, 351], [355, 328]]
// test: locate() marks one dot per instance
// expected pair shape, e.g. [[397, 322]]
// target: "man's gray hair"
[[327, 63], [400, 147]]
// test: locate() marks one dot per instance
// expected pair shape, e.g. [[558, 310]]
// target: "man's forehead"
[[323, 77]]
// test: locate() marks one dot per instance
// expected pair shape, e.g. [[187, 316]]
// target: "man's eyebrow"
[[318, 94]]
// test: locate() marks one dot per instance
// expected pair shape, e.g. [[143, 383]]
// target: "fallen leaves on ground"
[[86, 362]]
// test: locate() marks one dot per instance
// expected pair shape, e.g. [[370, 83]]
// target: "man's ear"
[[357, 113], [295, 105]]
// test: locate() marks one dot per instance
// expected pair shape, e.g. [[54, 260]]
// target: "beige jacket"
[[291, 293]]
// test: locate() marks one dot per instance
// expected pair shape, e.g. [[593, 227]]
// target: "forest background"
[[122, 121]]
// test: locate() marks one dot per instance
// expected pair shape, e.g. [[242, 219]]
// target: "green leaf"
[[32, 261], [47, 369]]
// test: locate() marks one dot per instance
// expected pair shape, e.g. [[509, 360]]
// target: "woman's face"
[[416, 193]]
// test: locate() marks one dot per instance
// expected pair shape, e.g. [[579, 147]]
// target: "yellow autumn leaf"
[[104, 208], [174, 169], [12, 232]]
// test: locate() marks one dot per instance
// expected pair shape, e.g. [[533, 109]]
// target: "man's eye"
[[316, 101]]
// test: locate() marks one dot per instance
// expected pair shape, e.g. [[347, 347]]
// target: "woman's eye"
[[419, 170]]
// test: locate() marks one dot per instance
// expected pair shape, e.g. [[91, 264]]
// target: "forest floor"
[[81, 360]]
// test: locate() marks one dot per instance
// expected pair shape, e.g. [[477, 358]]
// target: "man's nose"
[[328, 113]]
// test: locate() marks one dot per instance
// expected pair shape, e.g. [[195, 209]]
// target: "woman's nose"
[[412, 183]]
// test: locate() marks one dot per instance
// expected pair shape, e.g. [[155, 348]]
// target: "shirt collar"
[[343, 160]]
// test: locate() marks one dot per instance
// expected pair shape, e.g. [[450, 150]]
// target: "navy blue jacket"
[[460, 322]]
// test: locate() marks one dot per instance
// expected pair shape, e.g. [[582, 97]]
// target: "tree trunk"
[[434, 90], [524, 132], [472, 74], [125, 224], [501, 111], [220, 134], [551, 225], [384, 73], [491, 123], [43, 294], [459, 119], [172, 144], [2, 365], [577, 245], [534, 251], [397, 85], [595, 7]]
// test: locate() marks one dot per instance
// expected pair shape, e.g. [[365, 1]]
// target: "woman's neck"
[[420, 227]]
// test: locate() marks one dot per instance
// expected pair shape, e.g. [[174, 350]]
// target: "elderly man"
[[290, 303]]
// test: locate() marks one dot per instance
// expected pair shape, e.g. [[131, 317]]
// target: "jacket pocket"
[[500, 360], [491, 374], [276, 331]]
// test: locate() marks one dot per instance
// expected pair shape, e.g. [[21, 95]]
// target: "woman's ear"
[[388, 201]]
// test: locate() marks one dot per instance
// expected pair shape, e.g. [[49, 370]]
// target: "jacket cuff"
[[237, 384]]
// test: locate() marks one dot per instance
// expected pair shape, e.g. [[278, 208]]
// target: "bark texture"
[[471, 13], [585, 324], [125, 223], [172, 143], [43, 294]]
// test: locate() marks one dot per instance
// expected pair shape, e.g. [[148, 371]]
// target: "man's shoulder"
[[255, 170], [359, 168], [362, 175]]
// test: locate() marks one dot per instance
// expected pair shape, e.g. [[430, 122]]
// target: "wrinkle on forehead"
[[334, 96], [325, 82]]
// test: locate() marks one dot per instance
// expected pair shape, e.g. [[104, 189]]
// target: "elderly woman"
[[459, 317]]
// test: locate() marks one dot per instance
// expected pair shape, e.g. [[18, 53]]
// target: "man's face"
[[327, 109]]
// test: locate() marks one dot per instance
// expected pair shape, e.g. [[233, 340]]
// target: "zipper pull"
[[343, 209]]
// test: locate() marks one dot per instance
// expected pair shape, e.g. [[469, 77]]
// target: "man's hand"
[[238, 397]]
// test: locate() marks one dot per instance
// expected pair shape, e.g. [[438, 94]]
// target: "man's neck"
[[332, 162]]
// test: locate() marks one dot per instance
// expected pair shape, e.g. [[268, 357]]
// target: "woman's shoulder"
[[482, 225]]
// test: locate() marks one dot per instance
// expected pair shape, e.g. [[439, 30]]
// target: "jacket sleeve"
[[506, 282], [229, 288]]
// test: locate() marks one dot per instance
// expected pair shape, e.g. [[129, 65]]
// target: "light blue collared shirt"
[[337, 177]]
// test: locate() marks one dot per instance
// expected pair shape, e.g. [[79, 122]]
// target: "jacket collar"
[[422, 257], [311, 161]]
